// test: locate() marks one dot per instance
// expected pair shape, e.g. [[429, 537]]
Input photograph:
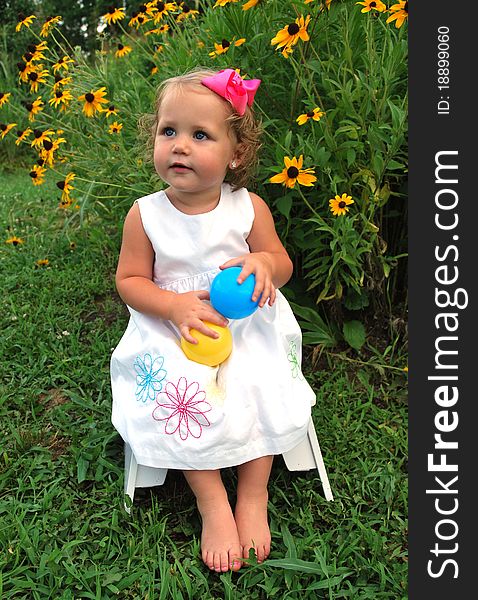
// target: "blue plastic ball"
[[231, 299]]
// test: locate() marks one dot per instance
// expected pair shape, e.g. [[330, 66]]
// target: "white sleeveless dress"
[[177, 414]]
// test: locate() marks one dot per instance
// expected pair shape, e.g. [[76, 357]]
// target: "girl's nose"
[[181, 145]]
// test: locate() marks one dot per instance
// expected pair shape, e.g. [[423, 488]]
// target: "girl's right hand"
[[189, 311]]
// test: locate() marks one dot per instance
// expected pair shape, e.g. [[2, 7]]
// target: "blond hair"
[[246, 128]]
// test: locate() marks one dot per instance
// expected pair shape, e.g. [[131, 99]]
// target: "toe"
[[234, 562], [224, 558], [208, 559], [217, 561]]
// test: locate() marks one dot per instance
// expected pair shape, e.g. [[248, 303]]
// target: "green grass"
[[63, 531]]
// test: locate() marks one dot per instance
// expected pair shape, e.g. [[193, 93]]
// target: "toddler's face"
[[193, 145]]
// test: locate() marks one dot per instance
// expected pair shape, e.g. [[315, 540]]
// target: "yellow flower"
[[48, 26], [293, 173], [250, 4], [4, 129], [24, 21], [224, 46], [37, 174], [291, 34], [60, 80], [93, 101], [61, 98], [111, 110], [339, 205], [115, 128], [138, 19], [122, 51], [163, 8], [223, 2], [65, 186], [36, 77], [4, 96], [40, 136], [400, 14], [23, 70], [35, 52], [114, 14], [372, 5], [22, 135], [49, 149], [43, 262], [186, 13], [62, 63], [162, 29], [316, 114], [34, 108], [14, 241]]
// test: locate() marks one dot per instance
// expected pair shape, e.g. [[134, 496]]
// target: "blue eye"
[[168, 131], [200, 135]]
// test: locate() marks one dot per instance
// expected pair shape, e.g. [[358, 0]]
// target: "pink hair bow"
[[231, 86]]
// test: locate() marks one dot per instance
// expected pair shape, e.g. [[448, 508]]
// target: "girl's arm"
[[134, 282], [268, 259]]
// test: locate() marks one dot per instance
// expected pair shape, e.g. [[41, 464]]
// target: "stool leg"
[[314, 444], [130, 472]]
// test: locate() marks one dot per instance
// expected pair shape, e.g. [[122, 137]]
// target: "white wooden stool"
[[303, 457]]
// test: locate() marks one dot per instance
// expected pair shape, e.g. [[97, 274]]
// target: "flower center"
[[20, 132], [61, 185], [342, 204], [293, 29], [143, 8], [40, 162], [186, 8], [292, 172], [160, 6], [225, 44], [59, 94], [111, 10], [38, 133], [373, 4], [89, 97], [33, 76], [120, 46], [29, 106], [3, 127], [33, 174], [111, 108], [47, 145], [28, 56], [310, 114], [21, 17]]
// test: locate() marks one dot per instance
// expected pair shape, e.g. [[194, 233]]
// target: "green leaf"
[[284, 204], [354, 334], [295, 564]]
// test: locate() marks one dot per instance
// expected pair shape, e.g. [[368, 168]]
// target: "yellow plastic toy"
[[209, 351]]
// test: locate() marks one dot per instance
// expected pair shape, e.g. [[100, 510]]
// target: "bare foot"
[[252, 526], [220, 546]]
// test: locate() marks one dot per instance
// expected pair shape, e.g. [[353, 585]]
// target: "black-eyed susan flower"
[[34, 52], [36, 77], [339, 205], [34, 108], [65, 186], [153, 69], [24, 21], [4, 98], [40, 136], [250, 4], [400, 14], [369, 5], [294, 173], [23, 70], [47, 153], [122, 50], [224, 2], [37, 174], [48, 25], [115, 128], [41, 263], [159, 30], [315, 114], [14, 241], [63, 63], [60, 98], [111, 110], [22, 135], [162, 9], [114, 14], [5, 128], [93, 101], [289, 35], [61, 80], [138, 19], [224, 46], [186, 13]]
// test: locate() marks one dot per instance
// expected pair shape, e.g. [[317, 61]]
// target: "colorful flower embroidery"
[[294, 361], [150, 375], [186, 406]]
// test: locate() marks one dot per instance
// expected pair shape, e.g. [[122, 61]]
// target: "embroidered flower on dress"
[[150, 375], [294, 361], [186, 405]]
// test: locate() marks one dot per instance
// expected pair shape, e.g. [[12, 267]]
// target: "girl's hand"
[[259, 263], [188, 311]]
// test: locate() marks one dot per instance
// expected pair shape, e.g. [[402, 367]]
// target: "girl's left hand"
[[260, 264]]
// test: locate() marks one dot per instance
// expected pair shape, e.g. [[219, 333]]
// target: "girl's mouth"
[[180, 168]]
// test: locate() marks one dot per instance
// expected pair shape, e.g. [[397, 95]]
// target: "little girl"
[[175, 413]]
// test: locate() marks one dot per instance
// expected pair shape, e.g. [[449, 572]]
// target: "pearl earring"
[[233, 164]]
